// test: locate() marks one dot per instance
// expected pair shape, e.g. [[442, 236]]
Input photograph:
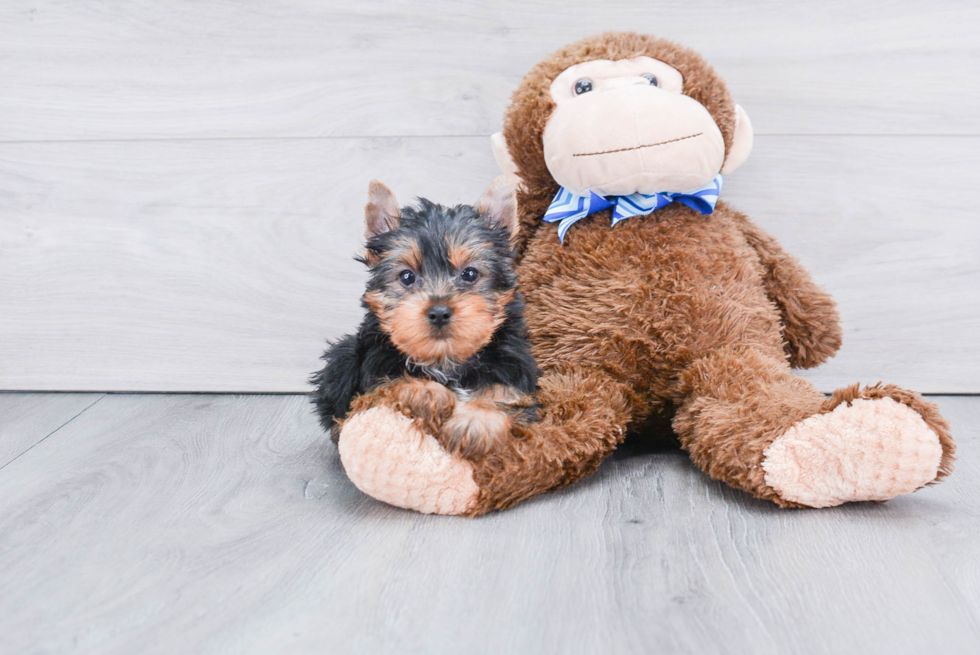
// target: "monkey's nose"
[[439, 315]]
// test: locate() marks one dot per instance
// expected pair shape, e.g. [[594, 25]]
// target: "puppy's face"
[[441, 278]]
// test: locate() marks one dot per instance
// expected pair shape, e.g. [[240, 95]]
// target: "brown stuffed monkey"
[[683, 309]]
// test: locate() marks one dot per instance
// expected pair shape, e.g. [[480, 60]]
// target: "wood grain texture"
[[219, 524], [223, 265], [26, 419], [111, 70]]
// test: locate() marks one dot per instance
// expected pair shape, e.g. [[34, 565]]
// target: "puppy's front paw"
[[428, 402], [474, 429]]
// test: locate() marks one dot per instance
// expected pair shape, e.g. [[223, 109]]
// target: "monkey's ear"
[[498, 205], [741, 142], [504, 160], [381, 214]]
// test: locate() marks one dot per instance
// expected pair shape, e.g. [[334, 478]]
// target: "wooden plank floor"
[[224, 524], [27, 419]]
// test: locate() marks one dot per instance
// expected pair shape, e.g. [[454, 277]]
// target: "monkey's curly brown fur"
[[694, 318]]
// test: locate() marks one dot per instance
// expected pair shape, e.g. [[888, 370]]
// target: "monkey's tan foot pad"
[[868, 450], [390, 459]]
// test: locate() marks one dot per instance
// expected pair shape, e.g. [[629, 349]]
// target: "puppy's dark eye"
[[469, 275], [652, 79], [407, 278], [584, 85]]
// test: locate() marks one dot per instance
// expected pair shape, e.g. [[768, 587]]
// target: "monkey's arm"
[[584, 413], [338, 382], [811, 324]]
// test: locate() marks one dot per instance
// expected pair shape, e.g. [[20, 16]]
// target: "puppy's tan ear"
[[499, 206], [381, 214]]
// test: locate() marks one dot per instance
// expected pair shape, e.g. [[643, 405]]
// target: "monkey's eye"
[[584, 85], [469, 275], [652, 79], [407, 278]]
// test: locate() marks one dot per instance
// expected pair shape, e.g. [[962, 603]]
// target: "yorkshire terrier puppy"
[[444, 338]]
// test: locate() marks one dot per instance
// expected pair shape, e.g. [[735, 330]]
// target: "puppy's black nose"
[[439, 315]]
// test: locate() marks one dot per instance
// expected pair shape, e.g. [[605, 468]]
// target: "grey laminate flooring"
[[224, 524]]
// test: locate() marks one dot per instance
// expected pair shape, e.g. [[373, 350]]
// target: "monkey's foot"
[[387, 457], [865, 449]]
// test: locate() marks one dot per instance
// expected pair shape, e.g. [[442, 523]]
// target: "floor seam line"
[[45, 437]]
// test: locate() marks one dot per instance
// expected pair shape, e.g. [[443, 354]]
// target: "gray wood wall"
[[181, 182]]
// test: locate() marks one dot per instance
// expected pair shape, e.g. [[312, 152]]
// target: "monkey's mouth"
[[648, 145]]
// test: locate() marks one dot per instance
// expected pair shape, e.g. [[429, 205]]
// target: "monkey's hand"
[[811, 324]]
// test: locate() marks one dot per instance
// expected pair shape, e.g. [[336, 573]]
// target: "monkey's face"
[[625, 126]]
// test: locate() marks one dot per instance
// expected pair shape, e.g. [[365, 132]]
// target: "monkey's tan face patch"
[[622, 127]]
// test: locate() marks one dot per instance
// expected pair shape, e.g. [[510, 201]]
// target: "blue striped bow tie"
[[567, 208]]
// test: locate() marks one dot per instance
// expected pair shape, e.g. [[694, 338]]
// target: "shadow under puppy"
[[444, 338]]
